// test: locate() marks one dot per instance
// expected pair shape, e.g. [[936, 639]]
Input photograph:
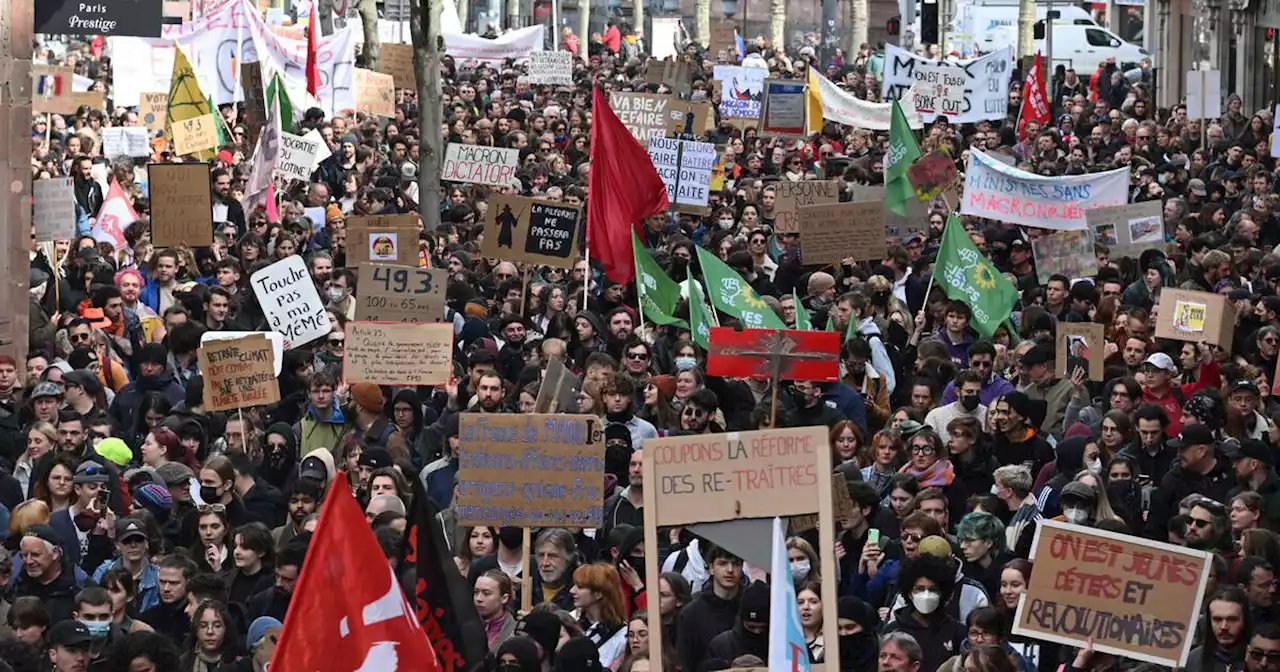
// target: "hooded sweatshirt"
[[701, 621]]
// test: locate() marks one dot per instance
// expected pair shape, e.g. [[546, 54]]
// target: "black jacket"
[[57, 596], [169, 620], [618, 510], [1033, 449], [701, 621], [738, 642], [939, 640], [265, 503], [1270, 491], [1179, 483]]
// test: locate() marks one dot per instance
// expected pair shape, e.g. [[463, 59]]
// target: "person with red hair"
[[162, 446], [600, 609]]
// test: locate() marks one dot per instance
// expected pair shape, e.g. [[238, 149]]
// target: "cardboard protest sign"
[[181, 204], [841, 502], [397, 60], [671, 73], [1080, 345], [743, 89], [132, 141], [51, 89], [710, 478], [555, 394], [277, 342], [986, 85], [551, 67], [384, 238], [153, 109], [724, 37], [494, 166], [54, 214], [1004, 193], [375, 93], [238, 372], [290, 301], [782, 112], [938, 89], [1068, 253], [932, 174], [532, 470], [1129, 596], [255, 105], [297, 156], [789, 197], [685, 168], [389, 293], [1128, 229], [1185, 315], [398, 353], [528, 229], [653, 115], [831, 233], [195, 134]]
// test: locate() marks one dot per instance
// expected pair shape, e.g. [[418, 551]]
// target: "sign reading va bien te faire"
[[533, 470]]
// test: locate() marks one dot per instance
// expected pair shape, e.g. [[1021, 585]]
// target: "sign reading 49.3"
[[388, 293]]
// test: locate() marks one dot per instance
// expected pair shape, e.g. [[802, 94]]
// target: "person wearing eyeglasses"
[[84, 526]]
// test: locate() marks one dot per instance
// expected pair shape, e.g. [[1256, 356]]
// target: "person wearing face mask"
[[926, 583], [803, 560], [750, 633], [1079, 503], [857, 624], [93, 610], [967, 405]]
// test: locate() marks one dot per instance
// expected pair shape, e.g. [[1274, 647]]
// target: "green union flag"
[[802, 314], [965, 275], [658, 293], [903, 151], [699, 315], [730, 293]]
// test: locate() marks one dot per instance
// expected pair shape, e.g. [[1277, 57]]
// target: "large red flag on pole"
[[313, 42], [348, 611], [1035, 101], [624, 189]]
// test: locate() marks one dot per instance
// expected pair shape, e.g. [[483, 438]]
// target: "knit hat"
[[37, 277], [1079, 429], [754, 607], [666, 386], [542, 627], [115, 450], [854, 609], [81, 358], [333, 213], [936, 546], [578, 655], [1019, 403], [524, 651], [820, 282], [367, 396], [476, 309], [154, 498]]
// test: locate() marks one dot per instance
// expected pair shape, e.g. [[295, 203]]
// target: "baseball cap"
[[46, 389], [43, 531], [1247, 385], [175, 472], [375, 458], [1252, 448], [90, 472], [1193, 435], [261, 627], [71, 634], [128, 527], [1038, 354], [314, 467], [1161, 360]]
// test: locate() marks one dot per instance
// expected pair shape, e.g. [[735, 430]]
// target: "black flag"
[[441, 596]]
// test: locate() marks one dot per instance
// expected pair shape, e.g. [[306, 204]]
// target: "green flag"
[[730, 293], [965, 275], [276, 89], [658, 293], [851, 330], [221, 126], [831, 322], [802, 314], [699, 315], [903, 151]]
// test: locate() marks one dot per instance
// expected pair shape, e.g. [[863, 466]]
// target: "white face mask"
[[926, 602], [685, 363], [726, 223], [337, 293], [800, 570], [1075, 516], [1095, 465]]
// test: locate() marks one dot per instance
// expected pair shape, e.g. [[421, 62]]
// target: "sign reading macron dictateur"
[[494, 166], [1131, 597]]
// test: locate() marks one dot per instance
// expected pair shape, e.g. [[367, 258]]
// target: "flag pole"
[[526, 576], [586, 278]]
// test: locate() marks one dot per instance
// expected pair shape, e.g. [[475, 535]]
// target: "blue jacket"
[[848, 403], [958, 352], [150, 296], [148, 586]]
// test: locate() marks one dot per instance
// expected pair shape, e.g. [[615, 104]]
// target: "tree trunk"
[[513, 14], [464, 14], [325, 12], [638, 18], [372, 46], [1026, 31], [702, 16], [428, 47], [860, 20], [777, 23]]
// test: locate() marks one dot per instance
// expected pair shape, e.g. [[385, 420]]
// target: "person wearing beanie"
[[1014, 421], [579, 654], [750, 633], [115, 450], [857, 650], [523, 651], [154, 376], [370, 425], [820, 297], [657, 394]]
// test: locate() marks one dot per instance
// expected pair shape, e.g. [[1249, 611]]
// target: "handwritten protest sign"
[[742, 90], [120, 141], [838, 231], [841, 502], [154, 109], [398, 353], [385, 238], [277, 342], [297, 156], [652, 115], [1131, 597], [532, 470], [724, 38], [55, 208], [290, 301], [181, 204], [494, 166], [783, 109], [1080, 345], [671, 73], [997, 191], [1068, 253], [400, 294], [375, 93], [255, 103], [1190, 316], [1128, 229], [685, 167], [986, 86], [238, 372], [397, 60], [551, 67], [938, 89], [528, 229], [195, 134], [789, 197]]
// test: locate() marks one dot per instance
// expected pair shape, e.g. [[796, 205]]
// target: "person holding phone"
[[86, 525]]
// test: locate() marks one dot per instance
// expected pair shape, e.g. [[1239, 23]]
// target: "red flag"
[[313, 41], [348, 611], [1035, 102], [624, 189], [114, 217]]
